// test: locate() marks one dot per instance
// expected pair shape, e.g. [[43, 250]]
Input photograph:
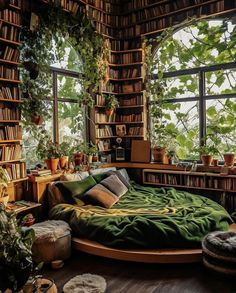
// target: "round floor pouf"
[[86, 283], [219, 252]]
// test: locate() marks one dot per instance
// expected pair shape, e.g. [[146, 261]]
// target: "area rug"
[[86, 283]]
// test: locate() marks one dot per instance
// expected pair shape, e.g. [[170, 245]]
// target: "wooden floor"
[[127, 277]]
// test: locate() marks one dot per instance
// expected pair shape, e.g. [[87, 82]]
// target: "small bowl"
[[57, 264]]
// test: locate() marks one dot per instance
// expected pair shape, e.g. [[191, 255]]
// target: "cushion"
[[74, 176], [101, 170], [100, 195], [124, 173], [115, 185], [75, 189], [55, 196], [120, 176], [100, 177]]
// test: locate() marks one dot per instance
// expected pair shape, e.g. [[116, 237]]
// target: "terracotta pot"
[[64, 162], [78, 158], [229, 160], [215, 162], [89, 159], [206, 160], [158, 154], [52, 164], [95, 158], [109, 112], [37, 120]]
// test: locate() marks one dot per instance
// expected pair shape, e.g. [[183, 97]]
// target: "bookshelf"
[[10, 115], [223, 187]]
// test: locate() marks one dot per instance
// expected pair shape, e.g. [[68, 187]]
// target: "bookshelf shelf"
[[9, 80], [10, 23], [7, 41], [10, 101], [117, 123], [14, 7], [10, 161], [9, 121], [10, 141], [127, 51], [9, 62], [126, 64], [126, 79], [123, 94]]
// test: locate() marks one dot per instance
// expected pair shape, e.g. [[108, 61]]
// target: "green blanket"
[[147, 217]]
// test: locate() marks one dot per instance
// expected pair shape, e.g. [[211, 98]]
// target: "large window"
[[199, 76], [65, 118]]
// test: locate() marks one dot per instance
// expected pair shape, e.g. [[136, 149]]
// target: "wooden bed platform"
[[141, 255]]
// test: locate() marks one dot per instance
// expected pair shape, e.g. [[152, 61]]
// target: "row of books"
[[125, 58], [15, 171], [135, 130], [222, 183], [10, 16], [124, 88], [10, 132], [137, 100], [9, 93], [119, 45], [108, 7], [136, 4], [9, 73], [125, 73], [130, 118], [44, 172], [70, 5], [10, 54], [9, 114], [104, 131], [102, 118], [16, 2], [104, 145], [10, 33], [10, 152]]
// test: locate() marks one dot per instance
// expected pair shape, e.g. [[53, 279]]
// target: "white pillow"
[[74, 176], [101, 170]]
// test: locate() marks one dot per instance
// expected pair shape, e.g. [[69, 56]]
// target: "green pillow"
[[74, 190], [99, 177]]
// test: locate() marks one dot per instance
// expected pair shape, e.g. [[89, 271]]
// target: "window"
[[199, 95], [66, 118]]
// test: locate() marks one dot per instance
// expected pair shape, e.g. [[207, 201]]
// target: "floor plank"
[[128, 277]]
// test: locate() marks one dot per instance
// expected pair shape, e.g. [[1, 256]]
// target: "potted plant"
[[64, 150], [3, 186], [111, 103], [47, 150], [90, 150], [206, 153], [15, 252]]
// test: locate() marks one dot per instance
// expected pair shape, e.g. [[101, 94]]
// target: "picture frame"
[[121, 130]]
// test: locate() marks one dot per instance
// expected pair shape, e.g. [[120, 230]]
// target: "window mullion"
[[202, 108], [55, 109]]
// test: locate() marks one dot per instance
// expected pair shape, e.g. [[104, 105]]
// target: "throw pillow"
[[74, 176], [55, 196], [115, 185], [120, 176], [100, 195], [101, 170], [75, 189], [124, 173], [100, 177]]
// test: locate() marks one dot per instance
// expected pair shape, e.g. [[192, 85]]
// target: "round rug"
[[86, 283]]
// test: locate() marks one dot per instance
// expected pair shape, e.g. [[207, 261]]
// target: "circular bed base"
[[141, 255]]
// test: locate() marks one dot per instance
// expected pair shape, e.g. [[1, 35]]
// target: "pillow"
[[115, 185], [100, 177], [120, 176], [100, 195], [101, 170], [124, 173], [55, 196], [75, 189], [74, 176]]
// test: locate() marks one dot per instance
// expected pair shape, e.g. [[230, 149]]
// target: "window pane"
[[68, 87], [30, 140], [221, 123], [71, 122], [221, 82], [182, 87]]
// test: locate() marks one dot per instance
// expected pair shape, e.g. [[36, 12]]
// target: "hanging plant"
[[44, 46]]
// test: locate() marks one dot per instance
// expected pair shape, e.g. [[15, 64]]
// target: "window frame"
[[202, 98]]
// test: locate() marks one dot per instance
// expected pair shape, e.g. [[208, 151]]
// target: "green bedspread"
[[147, 217]]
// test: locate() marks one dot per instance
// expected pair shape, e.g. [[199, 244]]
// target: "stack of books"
[[44, 172]]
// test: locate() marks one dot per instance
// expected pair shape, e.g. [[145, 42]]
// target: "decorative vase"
[[229, 160], [206, 160], [52, 164], [63, 162], [158, 154]]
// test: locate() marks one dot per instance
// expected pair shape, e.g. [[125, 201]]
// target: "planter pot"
[[64, 162], [37, 120], [215, 162], [109, 112], [158, 154], [206, 160], [229, 160], [78, 158], [95, 159], [52, 164], [90, 159]]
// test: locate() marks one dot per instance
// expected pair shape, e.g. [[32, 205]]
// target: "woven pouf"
[[219, 252], [86, 283]]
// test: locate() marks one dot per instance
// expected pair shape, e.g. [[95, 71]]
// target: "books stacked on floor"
[[21, 205], [44, 172]]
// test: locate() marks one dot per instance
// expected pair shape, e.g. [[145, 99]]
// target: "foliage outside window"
[[193, 88]]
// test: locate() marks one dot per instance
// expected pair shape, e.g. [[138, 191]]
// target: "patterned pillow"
[[100, 195], [120, 176], [115, 185]]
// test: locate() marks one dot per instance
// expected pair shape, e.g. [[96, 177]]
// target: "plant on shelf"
[[90, 150], [47, 150], [3, 186], [111, 103], [207, 152], [15, 252]]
